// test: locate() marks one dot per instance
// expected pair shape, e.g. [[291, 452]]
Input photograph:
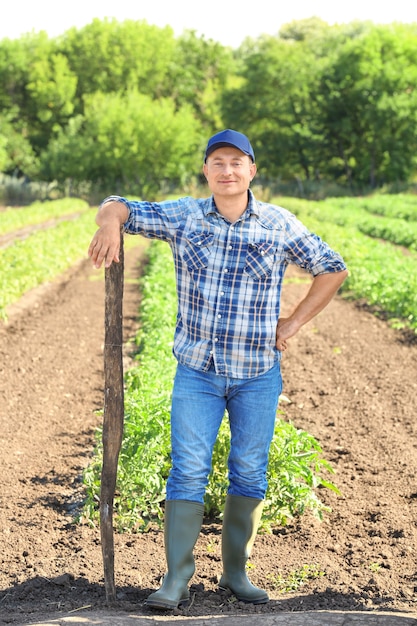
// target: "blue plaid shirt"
[[229, 277]]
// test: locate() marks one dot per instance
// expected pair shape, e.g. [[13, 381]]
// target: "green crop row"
[[296, 468], [397, 206], [389, 217], [42, 257], [350, 212], [397, 231], [379, 272], [14, 219]]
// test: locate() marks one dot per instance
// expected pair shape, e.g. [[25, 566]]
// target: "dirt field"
[[352, 382]]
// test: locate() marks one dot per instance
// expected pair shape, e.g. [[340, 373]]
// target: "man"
[[230, 253]]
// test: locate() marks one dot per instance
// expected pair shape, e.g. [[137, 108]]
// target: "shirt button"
[[263, 253], [225, 270], [230, 247], [216, 339], [219, 316]]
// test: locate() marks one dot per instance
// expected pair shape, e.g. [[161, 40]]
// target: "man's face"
[[229, 171]]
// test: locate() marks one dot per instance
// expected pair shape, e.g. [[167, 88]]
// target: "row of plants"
[[399, 206], [42, 257], [392, 218], [13, 219], [381, 272], [397, 231], [389, 217], [384, 218], [296, 467], [48, 252]]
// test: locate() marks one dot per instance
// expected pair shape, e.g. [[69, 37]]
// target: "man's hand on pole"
[[105, 245]]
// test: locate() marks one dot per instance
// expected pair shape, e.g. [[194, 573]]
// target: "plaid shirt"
[[229, 277]]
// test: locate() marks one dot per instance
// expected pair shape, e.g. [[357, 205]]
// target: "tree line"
[[127, 106]]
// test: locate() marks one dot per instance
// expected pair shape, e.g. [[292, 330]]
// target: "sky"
[[228, 22]]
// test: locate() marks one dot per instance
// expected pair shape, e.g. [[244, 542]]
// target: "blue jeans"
[[199, 402]]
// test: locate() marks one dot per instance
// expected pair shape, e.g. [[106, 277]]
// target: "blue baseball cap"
[[229, 138]]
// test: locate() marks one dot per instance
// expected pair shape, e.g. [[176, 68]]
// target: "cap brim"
[[225, 144]]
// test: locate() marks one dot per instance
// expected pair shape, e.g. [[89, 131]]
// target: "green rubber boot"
[[240, 524], [183, 521]]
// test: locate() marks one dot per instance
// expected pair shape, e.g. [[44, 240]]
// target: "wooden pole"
[[113, 413]]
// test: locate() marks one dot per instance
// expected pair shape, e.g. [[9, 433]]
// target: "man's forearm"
[[111, 211], [323, 288]]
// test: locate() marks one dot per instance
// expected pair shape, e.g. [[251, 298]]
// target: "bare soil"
[[352, 383]]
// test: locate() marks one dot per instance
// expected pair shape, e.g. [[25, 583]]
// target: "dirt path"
[[352, 382]]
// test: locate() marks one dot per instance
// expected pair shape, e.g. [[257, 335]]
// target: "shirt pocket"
[[197, 250], [260, 259]]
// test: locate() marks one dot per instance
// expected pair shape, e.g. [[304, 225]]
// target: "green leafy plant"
[[296, 578], [374, 567]]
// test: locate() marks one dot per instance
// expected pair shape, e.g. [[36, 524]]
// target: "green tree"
[[369, 106], [51, 89], [199, 72], [36, 93], [16, 153], [335, 102], [15, 57], [127, 143], [273, 104], [109, 56]]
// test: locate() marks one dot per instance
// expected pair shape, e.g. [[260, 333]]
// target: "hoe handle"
[[113, 413]]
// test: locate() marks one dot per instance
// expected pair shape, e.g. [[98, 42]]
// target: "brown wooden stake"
[[113, 413]]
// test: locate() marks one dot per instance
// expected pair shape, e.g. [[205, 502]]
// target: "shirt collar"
[[251, 209]]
